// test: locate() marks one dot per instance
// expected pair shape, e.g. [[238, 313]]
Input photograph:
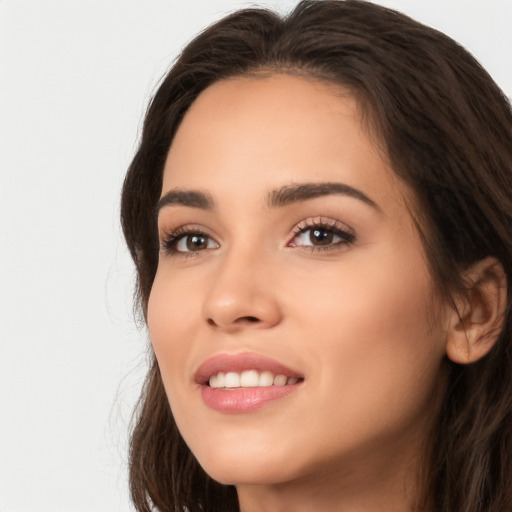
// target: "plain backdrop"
[[75, 77]]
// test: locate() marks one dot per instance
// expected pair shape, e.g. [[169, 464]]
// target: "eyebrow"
[[291, 194], [284, 196], [190, 198]]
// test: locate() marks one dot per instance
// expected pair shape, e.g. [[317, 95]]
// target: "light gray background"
[[75, 77]]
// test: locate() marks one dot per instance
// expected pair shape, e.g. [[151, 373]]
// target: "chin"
[[245, 466], [246, 474]]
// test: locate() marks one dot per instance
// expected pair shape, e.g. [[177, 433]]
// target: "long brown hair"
[[447, 130]]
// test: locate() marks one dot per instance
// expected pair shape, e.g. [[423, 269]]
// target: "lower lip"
[[239, 400]]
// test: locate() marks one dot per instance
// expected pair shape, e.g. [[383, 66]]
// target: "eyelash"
[[346, 237], [170, 241]]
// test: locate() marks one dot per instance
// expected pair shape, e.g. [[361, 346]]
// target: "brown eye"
[[321, 236], [191, 242], [196, 242]]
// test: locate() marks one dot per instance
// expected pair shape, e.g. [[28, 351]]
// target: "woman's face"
[[292, 314]]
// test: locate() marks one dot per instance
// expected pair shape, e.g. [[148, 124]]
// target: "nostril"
[[249, 319], [237, 322]]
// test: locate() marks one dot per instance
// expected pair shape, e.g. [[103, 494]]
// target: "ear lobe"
[[477, 322]]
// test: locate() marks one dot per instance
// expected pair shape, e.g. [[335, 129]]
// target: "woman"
[[319, 212]]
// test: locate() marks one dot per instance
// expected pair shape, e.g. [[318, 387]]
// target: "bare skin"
[[331, 283]]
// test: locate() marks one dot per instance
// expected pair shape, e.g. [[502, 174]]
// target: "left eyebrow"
[[291, 194]]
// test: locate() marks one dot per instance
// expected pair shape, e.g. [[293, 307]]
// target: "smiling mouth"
[[249, 379], [245, 382]]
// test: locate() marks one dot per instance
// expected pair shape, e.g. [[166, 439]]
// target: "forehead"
[[275, 130]]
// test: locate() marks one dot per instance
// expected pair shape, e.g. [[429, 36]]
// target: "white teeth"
[[280, 380], [217, 381], [266, 379], [232, 380], [250, 379]]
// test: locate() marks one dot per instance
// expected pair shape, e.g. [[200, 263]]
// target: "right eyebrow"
[[190, 198]]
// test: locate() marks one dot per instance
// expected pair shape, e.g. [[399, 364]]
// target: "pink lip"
[[239, 363], [240, 400]]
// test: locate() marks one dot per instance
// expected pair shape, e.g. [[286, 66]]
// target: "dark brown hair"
[[447, 130]]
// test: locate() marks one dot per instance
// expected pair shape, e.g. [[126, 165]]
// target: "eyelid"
[[169, 237], [327, 223]]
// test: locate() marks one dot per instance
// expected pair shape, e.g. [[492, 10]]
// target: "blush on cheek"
[[172, 324]]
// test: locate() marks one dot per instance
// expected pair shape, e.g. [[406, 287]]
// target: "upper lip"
[[239, 363]]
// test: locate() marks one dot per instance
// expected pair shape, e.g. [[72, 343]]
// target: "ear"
[[477, 320]]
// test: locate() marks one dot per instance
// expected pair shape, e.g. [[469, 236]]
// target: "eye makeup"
[[312, 234], [187, 240], [322, 233]]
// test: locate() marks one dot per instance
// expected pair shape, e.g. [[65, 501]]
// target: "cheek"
[[379, 305], [170, 328], [377, 343]]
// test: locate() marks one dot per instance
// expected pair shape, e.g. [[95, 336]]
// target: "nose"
[[242, 295]]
